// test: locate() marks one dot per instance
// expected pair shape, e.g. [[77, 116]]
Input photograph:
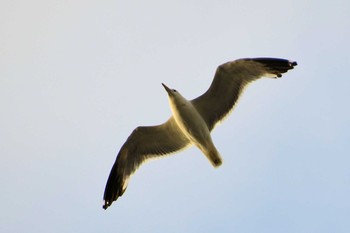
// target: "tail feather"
[[214, 157]]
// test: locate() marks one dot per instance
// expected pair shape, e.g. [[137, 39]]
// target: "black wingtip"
[[276, 66], [106, 205], [115, 186]]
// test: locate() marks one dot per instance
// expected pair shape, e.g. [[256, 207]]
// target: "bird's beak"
[[166, 88]]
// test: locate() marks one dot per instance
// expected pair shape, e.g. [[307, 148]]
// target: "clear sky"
[[76, 77]]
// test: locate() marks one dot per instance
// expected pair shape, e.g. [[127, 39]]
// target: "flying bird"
[[191, 121]]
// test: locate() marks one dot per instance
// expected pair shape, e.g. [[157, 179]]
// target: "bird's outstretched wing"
[[143, 143], [229, 82]]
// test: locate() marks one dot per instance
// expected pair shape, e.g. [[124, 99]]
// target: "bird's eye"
[[174, 90]]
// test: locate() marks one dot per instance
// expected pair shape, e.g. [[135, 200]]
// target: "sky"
[[76, 77]]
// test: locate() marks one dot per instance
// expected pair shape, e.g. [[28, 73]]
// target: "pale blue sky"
[[76, 77]]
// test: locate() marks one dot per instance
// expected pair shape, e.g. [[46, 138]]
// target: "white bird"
[[191, 120]]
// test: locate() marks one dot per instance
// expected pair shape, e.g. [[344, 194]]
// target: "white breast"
[[189, 120]]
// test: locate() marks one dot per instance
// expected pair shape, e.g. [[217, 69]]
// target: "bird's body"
[[192, 125], [191, 121]]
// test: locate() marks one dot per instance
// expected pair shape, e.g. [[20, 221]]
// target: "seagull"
[[191, 121]]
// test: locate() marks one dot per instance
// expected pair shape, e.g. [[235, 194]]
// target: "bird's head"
[[171, 92], [176, 100]]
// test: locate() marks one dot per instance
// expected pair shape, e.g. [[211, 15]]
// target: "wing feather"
[[144, 143], [229, 82]]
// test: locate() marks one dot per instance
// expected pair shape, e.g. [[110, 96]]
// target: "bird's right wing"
[[144, 143], [229, 82]]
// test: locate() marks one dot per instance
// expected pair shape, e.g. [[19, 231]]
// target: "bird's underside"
[[211, 107]]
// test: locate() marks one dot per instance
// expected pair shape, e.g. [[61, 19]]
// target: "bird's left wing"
[[144, 143], [229, 82]]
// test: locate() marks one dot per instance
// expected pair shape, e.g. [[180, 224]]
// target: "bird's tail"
[[214, 157]]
